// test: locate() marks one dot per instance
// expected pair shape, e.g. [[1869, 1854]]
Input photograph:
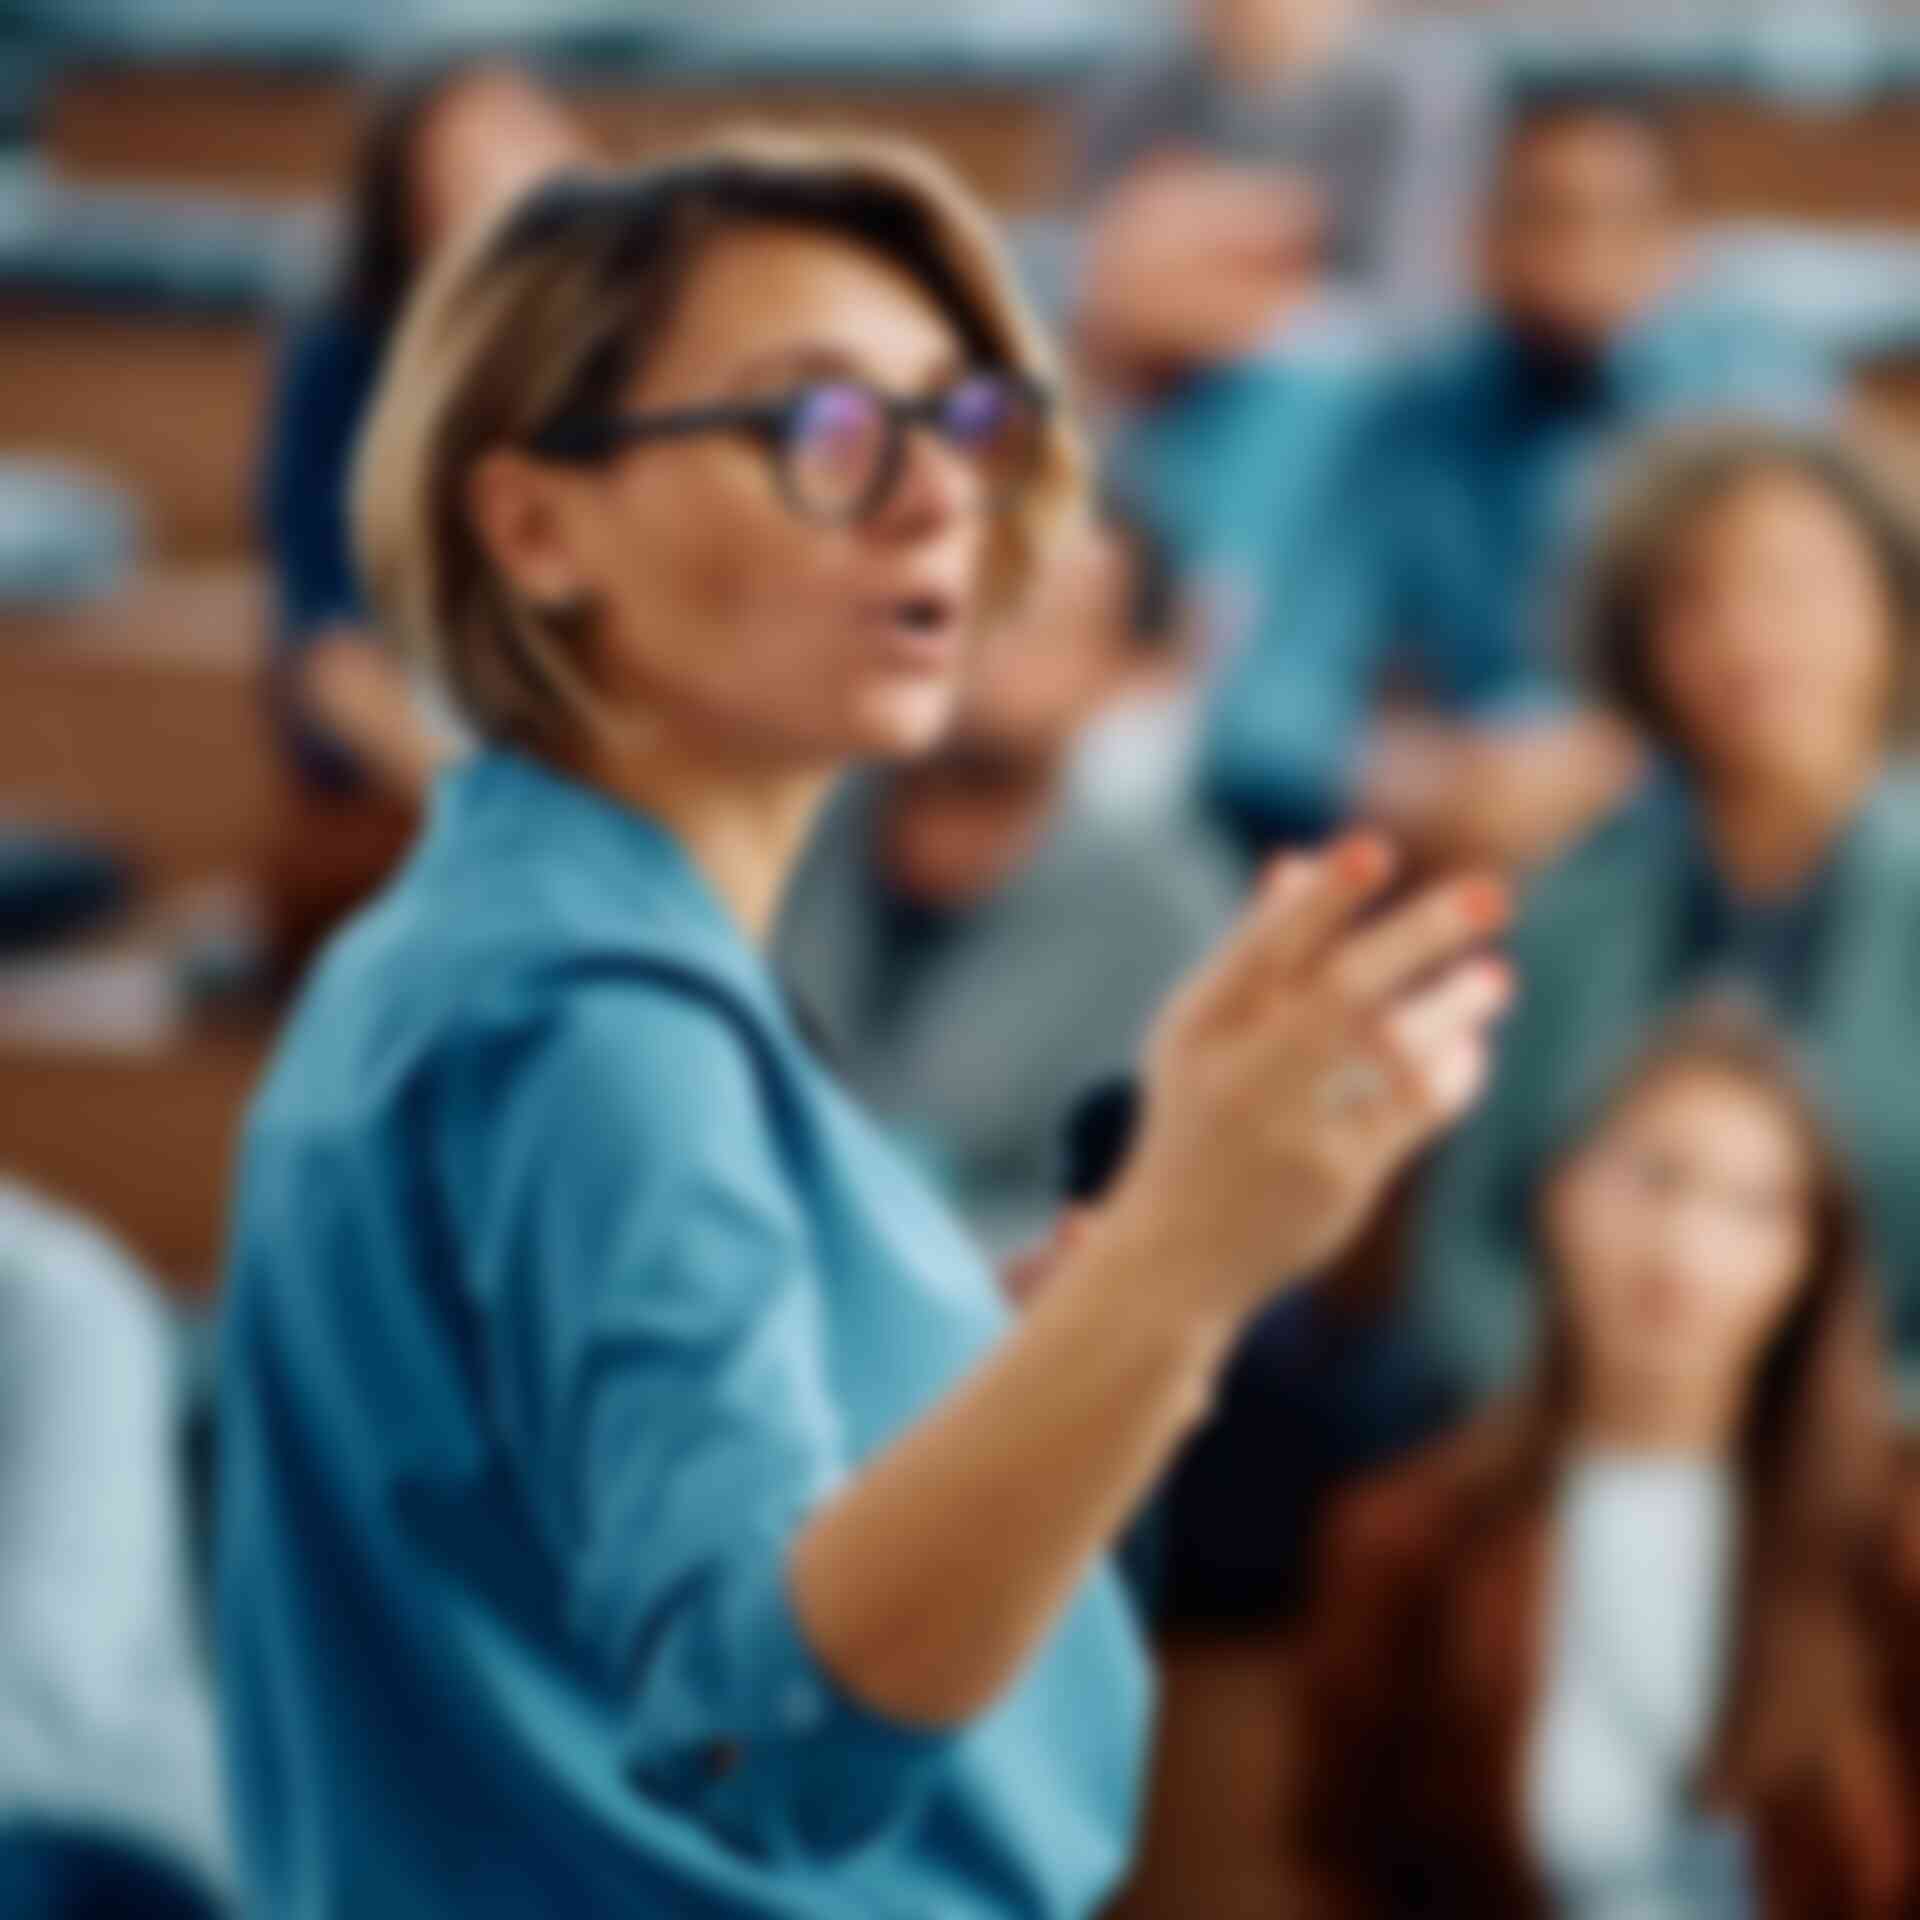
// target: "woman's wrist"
[[1145, 1296]]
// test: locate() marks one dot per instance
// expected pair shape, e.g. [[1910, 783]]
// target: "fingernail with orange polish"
[[1362, 861], [1487, 904]]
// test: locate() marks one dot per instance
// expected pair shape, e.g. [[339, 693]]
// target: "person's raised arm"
[[804, 1627], [1285, 1086]]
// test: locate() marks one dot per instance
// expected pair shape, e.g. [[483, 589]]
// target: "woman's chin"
[[902, 722]]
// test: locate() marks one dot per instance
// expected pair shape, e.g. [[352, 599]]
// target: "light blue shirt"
[[564, 1283], [1639, 1647], [106, 1716]]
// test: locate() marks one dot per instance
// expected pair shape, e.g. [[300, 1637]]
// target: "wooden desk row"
[[293, 132], [141, 1141], [139, 719], [169, 405]]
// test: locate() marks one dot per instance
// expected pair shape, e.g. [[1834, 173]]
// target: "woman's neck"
[[1637, 1417], [744, 826], [1770, 831]]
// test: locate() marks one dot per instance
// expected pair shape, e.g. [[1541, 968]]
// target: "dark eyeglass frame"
[[776, 421]]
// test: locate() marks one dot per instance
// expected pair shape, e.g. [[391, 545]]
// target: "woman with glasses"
[[635, 1497]]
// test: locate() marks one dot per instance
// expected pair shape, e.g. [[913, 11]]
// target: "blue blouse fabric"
[[564, 1283]]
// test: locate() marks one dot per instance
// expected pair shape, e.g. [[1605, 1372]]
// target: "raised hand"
[[1293, 1076]]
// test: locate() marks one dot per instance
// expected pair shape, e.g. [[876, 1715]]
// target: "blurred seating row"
[[134, 718], [262, 99]]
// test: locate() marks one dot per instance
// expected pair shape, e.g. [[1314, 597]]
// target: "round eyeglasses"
[[839, 446]]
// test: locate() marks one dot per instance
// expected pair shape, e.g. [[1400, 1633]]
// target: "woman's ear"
[[519, 509]]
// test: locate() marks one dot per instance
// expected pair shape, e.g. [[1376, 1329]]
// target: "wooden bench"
[[1753, 153], [139, 1136], [292, 132], [1855, 164], [168, 405], [141, 718], [1888, 393]]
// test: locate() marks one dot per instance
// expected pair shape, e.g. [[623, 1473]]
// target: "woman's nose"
[[937, 484], [1687, 1235]]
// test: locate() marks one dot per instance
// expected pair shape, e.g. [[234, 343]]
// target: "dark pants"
[[1314, 1399], [50, 1872]]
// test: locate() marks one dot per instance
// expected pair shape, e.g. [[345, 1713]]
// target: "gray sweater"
[[973, 1038]]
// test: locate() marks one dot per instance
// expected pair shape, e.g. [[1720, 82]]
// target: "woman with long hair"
[[635, 1498], [1644, 1638]]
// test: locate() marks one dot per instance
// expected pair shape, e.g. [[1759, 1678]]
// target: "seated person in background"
[[1274, 145], [970, 944], [1410, 535], [109, 1782], [1755, 609], [1133, 763], [1646, 1639], [439, 149]]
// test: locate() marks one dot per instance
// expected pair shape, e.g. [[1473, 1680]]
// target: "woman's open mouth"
[[922, 628]]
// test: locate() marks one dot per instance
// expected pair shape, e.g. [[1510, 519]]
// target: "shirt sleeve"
[[652, 1315], [1440, 179], [1117, 126], [1287, 726], [1474, 1290], [1774, 373]]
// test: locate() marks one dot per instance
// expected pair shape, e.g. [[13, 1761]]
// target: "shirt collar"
[[1784, 938], [607, 874], [1632, 368]]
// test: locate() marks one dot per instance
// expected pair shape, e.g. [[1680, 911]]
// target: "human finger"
[[1380, 962]]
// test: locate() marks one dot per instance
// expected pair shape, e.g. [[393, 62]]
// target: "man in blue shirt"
[[1400, 538]]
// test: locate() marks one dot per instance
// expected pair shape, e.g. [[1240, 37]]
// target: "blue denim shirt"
[[564, 1283], [1360, 524]]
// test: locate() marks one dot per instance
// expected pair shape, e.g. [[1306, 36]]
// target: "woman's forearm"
[[926, 1584]]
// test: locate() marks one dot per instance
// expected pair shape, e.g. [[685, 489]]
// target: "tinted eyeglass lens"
[[836, 449], [996, 423]]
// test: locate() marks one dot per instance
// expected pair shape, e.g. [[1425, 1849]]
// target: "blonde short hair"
[[551, 311]]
